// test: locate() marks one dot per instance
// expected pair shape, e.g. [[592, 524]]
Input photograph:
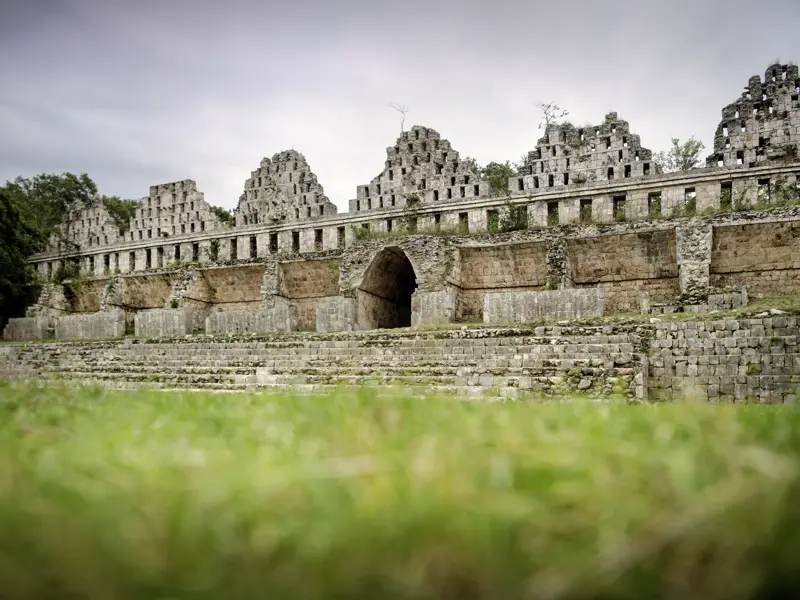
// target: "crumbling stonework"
[[572, 156], [763, 125], [282, 189], [171, 209], [421, 168], [85, 226]]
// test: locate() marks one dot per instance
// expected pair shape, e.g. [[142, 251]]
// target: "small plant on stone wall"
[[173, 303], [410, 218], [213, 250], [740, 201], [784, 193], [360, 232], [512, 217]]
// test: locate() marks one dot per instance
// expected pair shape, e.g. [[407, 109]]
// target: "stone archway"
[[384, 296]]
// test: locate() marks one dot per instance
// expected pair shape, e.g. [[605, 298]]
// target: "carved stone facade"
[[421, 168], [601, 218], [282, 189], [763, 125]]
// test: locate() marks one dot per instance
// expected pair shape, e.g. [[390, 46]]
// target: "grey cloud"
[[137, 93]]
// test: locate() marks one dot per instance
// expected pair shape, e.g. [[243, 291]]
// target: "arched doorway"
[[384, 296]]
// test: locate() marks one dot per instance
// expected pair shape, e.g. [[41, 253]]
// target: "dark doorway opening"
[[384, 297]]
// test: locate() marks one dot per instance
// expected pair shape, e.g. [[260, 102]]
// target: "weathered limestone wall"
[[166, 322], [234, 288], [433, 308], [305, 282], [336, 314], [85, 297], [518, 307], [765, 257], [26, 329], [421, 166], [100, 325], [727, 361], [625, 266], [282, 316], [483, 269], [144, 292]]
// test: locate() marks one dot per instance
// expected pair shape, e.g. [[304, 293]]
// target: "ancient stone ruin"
[[602, 230]]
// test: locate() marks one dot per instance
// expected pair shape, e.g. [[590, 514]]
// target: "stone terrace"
[[730, 360]]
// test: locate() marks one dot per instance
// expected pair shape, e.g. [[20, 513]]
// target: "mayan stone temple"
[[427, 280]]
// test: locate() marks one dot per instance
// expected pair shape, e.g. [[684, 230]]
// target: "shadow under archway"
[[384, 296]]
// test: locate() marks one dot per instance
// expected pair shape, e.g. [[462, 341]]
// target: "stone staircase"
[[513, 362]]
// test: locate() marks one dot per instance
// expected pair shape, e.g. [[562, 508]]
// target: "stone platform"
[[722, 361]]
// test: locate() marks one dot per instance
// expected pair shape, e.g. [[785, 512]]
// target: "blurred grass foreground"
[[355, 494]]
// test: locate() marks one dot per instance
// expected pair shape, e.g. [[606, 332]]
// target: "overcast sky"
[[140, 92]]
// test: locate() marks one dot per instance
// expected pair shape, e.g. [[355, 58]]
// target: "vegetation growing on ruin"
[[352, 495], [682, 156], [225, 216], [31, 211], [497, 175], [122, 211]]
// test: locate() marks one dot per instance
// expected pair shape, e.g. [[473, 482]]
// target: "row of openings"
[[610, 173], [159, 231], [462, 190], [422, 185], [174, 200]]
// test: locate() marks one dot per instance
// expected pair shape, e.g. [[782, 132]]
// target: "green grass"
[[111, 495]]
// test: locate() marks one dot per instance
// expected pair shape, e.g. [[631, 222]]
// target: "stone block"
[[282, 316], [510, 307], [99, 325], [431, 308], [26, 329], [163, 322], [336, 313]]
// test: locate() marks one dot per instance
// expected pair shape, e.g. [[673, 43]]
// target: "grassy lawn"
[[111, 495]]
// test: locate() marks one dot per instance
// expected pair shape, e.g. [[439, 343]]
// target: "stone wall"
[[483, 269], [517, 307], [765, 257], [336, 314], [170, 210], [305, 282], [625, 266], [25, 329], [233, 287], [101, 325], [727, 361], [165, 322], [431, 308]]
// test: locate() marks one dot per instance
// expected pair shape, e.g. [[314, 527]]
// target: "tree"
[[18, 240], [471, 164], [31, 210], [681, 157], [44, 199], [551, 112], [223, 215], [122, 211], [497, 175], [403, 110]]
